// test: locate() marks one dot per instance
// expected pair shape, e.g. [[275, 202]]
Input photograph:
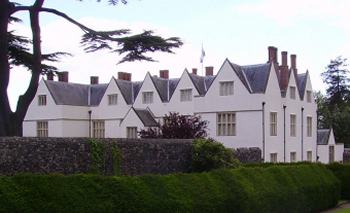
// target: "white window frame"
[[147, 97], [293, 125], [273, 123], [113, 99], [309, 126], [309, 96], [131, 132], [273, 157], [292, 92], [42, 129], [226, 124], [98, 128], [309, 156], [185, 95], [226, 88], [42, 100], [293, 157]]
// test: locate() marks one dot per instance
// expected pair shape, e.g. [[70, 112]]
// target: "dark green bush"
[[295, 188], [342, 172], [209, 154]]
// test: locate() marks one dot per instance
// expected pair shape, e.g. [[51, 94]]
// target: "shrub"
[[178, 126], [209, 154], [342, 172], [294, 188]]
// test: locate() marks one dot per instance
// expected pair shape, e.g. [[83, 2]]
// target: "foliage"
[[337, 78], [99, 157], [209, 154], [342, 172], [294, 188], [334, 108], [178, 126]]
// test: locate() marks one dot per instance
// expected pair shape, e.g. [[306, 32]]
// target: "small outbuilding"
[[328, 151]]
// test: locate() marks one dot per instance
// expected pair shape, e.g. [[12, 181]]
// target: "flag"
[[202, 55]]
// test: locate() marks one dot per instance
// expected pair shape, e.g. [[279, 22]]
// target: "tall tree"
[[334, 108], [337, 78], [132, 47]]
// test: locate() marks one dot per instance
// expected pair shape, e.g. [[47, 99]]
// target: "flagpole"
[[202, 57]]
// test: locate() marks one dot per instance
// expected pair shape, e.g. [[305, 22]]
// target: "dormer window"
[[147, 97], [292, 92], [185, 95], [41, 100], [308, 96], [113, 99], [226, 88]]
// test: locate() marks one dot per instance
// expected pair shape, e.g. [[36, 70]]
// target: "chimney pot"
[[93, 79], [50, 76], [128, 76], [164, 74], [194, 71], [63, 76], [284, 55], [209, 71], [293, 61], [272, 54]]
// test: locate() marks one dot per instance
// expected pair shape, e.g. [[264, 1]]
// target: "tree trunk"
[[5, 110]]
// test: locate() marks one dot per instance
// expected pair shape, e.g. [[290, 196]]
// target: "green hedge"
[[295, 188], [342, 172]]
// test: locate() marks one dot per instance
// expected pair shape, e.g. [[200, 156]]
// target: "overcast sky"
[[315, 30]]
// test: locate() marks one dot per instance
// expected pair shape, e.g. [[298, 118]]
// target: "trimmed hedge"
[[295, 188], [342, 172]]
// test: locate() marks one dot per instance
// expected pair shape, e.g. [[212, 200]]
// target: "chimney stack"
[[50, 76], [293, 63], [121, 75], [164, 74], [93, 79], [194, 71], [127, 76], [272, 54], [284, 71], [209, 71], [63, 76]]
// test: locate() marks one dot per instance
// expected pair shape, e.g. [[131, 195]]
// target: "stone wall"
[[74, 155]]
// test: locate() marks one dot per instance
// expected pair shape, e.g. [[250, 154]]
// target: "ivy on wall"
[[100, 154]]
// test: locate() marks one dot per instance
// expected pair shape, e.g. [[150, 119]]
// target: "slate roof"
[[301, 81], [257, 76], [146, 117], [75, 94], [323, 136], [165, 87], [202, 83], [96, 93]]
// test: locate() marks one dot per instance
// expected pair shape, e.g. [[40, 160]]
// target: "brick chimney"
[[209, 71], [127, 76], [121, 75], [50, 76], [272, 55], [164, 74], [284, 71], [194, 71], [293, 63], [93, 79], [63, 76]]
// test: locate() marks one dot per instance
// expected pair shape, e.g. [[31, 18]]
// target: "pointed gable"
[[162, 88], [96, 93], [146, 117], [241, 75]]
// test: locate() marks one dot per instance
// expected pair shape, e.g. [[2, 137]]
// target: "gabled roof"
[[146, 117], [73, 94], [128, 89], [257, 76], [241, 75], [161, 85], [301, 81], [173, 82], [323, 136]]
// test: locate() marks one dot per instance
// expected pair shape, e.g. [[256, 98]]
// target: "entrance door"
[[331, 154]]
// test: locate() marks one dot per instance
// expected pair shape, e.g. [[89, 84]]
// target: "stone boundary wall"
[[75, 155]]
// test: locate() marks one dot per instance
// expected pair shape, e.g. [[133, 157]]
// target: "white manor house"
[[269, 105]]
